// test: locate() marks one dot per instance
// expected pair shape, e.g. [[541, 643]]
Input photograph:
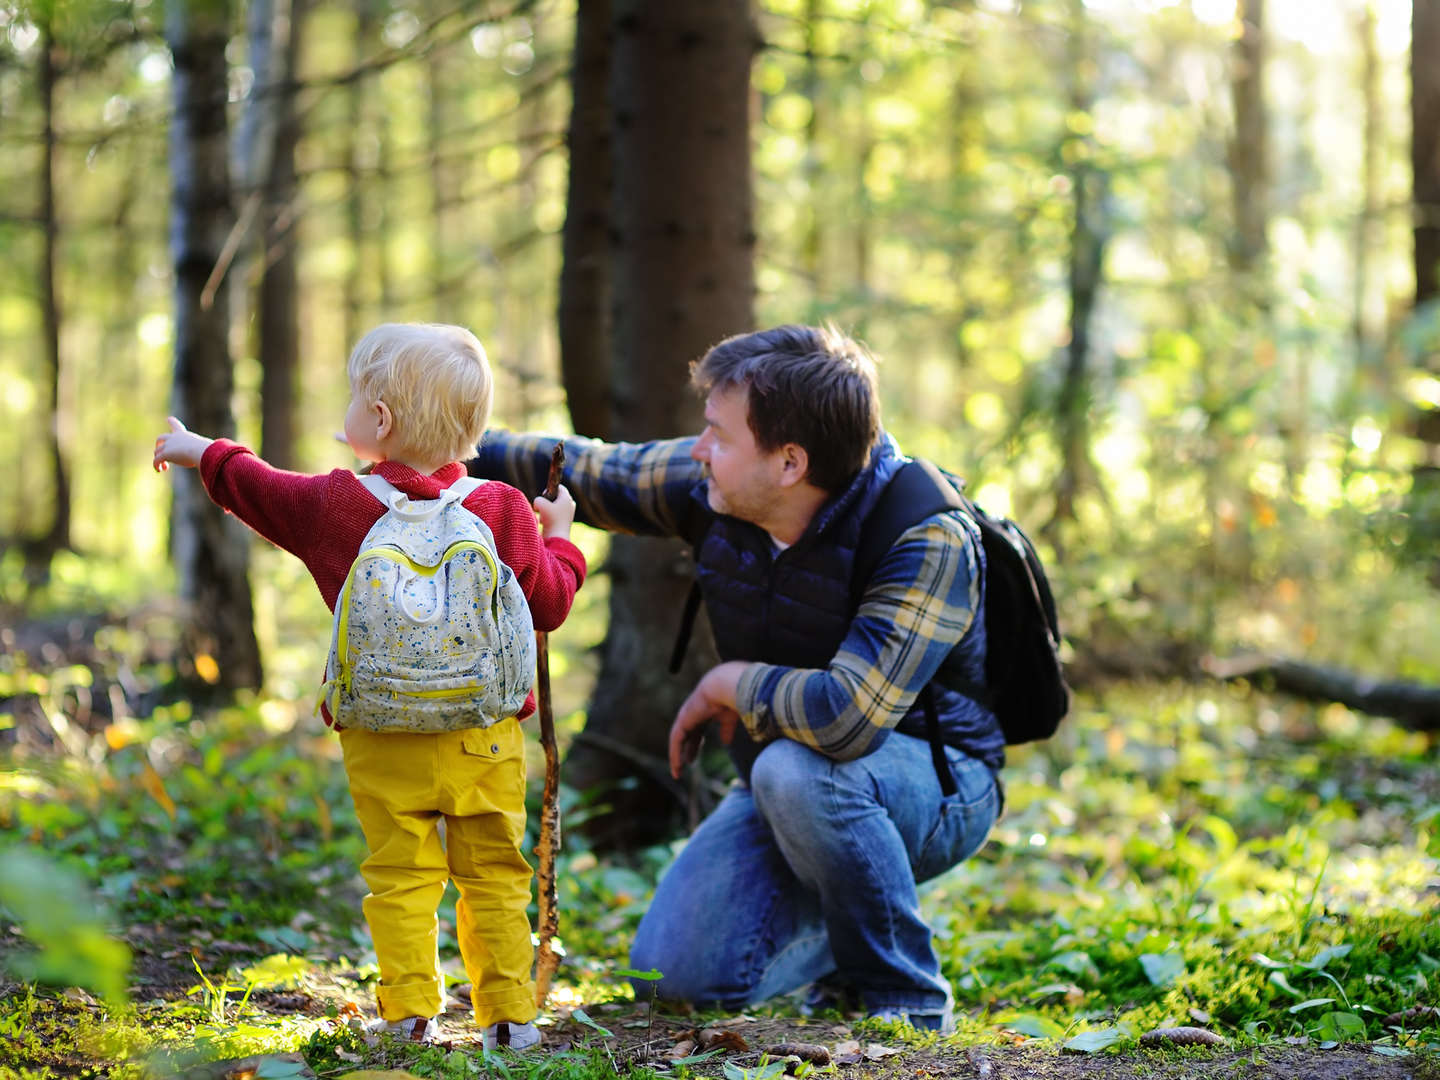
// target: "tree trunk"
[[683, 280], [1365, 323], [1423, 501], [210, 547], [1090, 191], [279, 314], [367, 259], [1249, 148], [810, 245], [584, 304], [1425, 145], [57, 537]]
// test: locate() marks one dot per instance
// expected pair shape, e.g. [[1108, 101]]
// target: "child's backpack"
[[432, 631], [1024, 681]]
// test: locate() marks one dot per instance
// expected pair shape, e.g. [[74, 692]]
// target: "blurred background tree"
[[1158, 277]]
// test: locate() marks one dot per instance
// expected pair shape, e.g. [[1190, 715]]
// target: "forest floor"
[[179, 896]]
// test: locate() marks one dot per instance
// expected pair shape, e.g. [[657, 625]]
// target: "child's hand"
[[556, 514], [179, 447]]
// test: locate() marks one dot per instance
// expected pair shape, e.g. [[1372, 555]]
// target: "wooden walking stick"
[[548, 843]]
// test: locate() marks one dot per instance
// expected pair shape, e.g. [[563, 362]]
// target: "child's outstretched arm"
[[179, 446]]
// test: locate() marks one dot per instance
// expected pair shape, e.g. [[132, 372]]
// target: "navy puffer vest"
[[792, 608]]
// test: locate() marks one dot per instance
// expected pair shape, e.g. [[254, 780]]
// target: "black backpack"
[[1024, 681]]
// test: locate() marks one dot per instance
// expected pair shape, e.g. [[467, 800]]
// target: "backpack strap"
[[695, 531], [398, 503], [918, 490]]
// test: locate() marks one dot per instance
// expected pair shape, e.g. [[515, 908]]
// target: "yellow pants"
[[403, 785]]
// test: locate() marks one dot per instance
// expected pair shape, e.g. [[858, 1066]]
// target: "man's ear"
[[794, 464], [384, 420]]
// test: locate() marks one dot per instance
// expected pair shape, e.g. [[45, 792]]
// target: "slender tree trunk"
[[584, 305], [210, 547], [810, 246], [1090, 190], [354, 289], [279, 314], [684, 279], [441, 195], [1249, 148], [57, 537], [1367, 225]]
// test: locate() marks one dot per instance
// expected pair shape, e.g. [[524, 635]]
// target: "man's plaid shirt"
[[918, 606]]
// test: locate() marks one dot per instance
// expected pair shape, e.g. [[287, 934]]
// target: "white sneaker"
[[510, 1035], [416, 1029]]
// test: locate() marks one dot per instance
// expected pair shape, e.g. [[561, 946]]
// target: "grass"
[[1180, 854]]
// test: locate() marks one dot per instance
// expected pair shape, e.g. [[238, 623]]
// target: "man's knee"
[[789, 783]]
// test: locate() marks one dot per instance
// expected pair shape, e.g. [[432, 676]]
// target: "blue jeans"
[[812, 869]]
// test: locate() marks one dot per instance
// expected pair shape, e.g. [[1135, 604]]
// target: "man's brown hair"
[[810, 385]]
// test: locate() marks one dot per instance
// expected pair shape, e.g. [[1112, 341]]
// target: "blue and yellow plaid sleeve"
[[639, 488], [919, 604]]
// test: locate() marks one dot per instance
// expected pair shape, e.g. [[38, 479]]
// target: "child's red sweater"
[[323, 520]]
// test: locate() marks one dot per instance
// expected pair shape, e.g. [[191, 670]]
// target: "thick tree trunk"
[[584, 305], [684, 279], [1424, 499], [210, 547], [1425, 145], [57, 537]]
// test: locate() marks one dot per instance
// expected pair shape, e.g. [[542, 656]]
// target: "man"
[[808, 867]]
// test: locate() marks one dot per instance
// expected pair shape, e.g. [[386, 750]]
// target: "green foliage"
[[58, 913]]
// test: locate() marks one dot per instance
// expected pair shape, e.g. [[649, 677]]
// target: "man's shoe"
[[415, 1029], [511, 1036]]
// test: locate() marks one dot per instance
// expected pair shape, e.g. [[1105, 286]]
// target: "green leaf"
[[1034, 1025], [648, 976], [583, 1017], [1310, 1004], [1389, 1051], [1162, 969], [1341, 1026], [1265, 962], [1088, 1042], [760, 1072], [1077, 963], [1278, 979], [1324, 956], [275, 1069]]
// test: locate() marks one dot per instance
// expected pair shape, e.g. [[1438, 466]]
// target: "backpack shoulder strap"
[[398, 503], [916, 491]]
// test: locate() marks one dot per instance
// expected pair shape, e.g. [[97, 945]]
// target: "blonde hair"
[[435, 379]]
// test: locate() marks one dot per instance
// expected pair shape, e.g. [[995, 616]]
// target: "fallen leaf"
[[876, 1052], [683, 1048], [713, 1038]]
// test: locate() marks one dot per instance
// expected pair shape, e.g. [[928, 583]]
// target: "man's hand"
[[712, 699], [179, 447]]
